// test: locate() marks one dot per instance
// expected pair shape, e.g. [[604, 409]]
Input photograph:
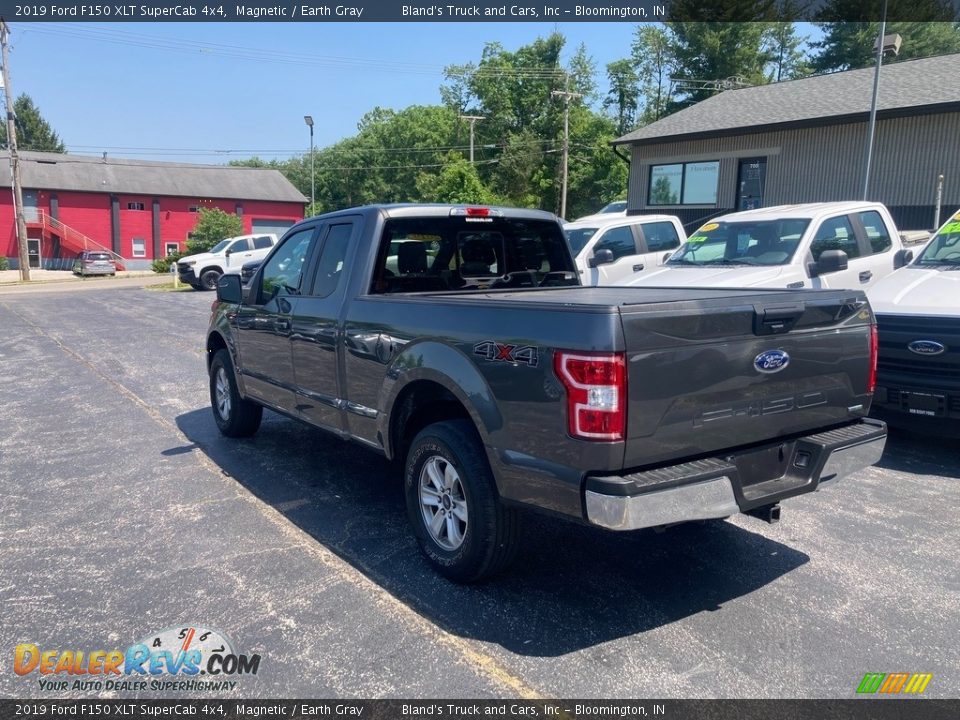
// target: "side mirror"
[[830, 261], [601, 257], [903, 257], [229, 289], [228, 252]]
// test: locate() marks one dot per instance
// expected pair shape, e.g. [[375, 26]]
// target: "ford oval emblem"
[[926, 347], [771, 361]]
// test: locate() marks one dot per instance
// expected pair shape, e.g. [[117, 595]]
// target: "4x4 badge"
[[501, 352]]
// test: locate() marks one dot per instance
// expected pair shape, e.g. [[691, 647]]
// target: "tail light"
[[596, 386], [874, 352]]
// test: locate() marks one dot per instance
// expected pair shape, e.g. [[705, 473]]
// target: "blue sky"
[[245, 87]]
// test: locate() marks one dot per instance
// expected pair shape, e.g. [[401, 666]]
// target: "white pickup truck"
[[614, 248], [203, 270], [817, 245], [918, 320]]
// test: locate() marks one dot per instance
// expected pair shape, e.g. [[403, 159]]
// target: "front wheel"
[[208, 281], [235, 416], [461, 526]]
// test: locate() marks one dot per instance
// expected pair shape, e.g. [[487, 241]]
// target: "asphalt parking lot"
[[123, 512]]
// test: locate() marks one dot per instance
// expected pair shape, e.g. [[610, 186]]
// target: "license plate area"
[[769, 463], [920, 403]]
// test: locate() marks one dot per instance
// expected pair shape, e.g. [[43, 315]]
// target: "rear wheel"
[[235, 416], [208, 281], [462, 527]]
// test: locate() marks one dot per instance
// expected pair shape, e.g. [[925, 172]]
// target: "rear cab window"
[[835, 233], [876, 231], [659, 236], [436, 254]]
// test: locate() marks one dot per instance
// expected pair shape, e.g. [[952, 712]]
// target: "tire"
[[208, 281], [447, 476], [235, 416]]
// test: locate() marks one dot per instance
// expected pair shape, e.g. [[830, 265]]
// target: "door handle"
[[638, 267], [865, 276]]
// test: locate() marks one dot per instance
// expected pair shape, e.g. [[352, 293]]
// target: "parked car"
[[618, 208], [248, 270], [611, 249], [94, 262], [818, 245], [500, 383], [204, 269], [918, 318]]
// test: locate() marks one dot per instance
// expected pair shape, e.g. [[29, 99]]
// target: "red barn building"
[[138, 209]]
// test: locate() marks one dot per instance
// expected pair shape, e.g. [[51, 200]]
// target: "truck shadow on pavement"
[[572, 587], [918, 454]]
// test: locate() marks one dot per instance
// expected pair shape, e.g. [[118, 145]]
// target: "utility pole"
[[566, 95], [14, 158], [473, 119]]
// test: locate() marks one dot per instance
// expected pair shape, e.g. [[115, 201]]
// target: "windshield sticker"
[[709, 226], [949, 228], [957, 216], [697, 239]]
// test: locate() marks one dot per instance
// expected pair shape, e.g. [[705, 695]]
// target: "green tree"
[[708, 52], [623, 95], [785, 50], [33, 132], [457, 182], [850, 45], [213, 225], [652, 55]]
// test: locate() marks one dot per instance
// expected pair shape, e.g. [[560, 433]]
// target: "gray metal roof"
[[52, 171], [917, 84]]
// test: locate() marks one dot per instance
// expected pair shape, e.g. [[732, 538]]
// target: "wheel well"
[[421, 403], [209, 268], [215, 343]]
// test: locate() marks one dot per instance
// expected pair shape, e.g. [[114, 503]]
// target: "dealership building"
[[805, 141], [137, 209]]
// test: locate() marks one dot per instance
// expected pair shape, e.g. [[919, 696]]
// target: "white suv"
[[611, 250], [818, 245], [203, 270]]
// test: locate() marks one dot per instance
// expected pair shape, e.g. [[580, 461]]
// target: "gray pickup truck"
[[458, 342]]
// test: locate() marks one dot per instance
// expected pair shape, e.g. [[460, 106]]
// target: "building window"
[[193, 208], [693, 183], [139, 247], [171, 248], [135, 206]]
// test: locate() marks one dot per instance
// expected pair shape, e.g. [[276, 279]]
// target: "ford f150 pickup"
[[918, 319], [479, 364]]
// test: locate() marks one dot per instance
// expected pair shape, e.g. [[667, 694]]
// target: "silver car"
[[94, 262]]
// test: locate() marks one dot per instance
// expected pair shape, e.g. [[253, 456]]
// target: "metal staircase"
[[70, 239]]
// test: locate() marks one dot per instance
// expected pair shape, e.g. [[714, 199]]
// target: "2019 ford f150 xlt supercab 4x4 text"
[[479, 363]]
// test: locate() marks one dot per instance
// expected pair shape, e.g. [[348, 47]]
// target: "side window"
[[619, 241], [239, 246], [330, 267], [283, 273], [876, 231], [261, 243], [660, 236], [835, 234]]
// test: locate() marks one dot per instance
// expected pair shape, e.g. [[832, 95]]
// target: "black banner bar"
[[872, 708], [482, 11]]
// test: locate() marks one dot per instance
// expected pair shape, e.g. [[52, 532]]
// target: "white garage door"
[[279, 227]]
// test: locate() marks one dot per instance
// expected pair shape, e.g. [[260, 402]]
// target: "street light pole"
[[473, 119], [21, 224], [566, 95], [308, 119], [883, 45]]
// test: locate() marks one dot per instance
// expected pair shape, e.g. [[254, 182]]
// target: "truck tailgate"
[[704, 374]]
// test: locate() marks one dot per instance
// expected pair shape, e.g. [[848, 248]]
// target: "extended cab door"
[[622, 241], [264, 324], [879, 245], [838, 233], [317, 329], [658, 241]]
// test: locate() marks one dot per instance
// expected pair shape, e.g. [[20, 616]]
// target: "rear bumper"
[[722, 486]]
